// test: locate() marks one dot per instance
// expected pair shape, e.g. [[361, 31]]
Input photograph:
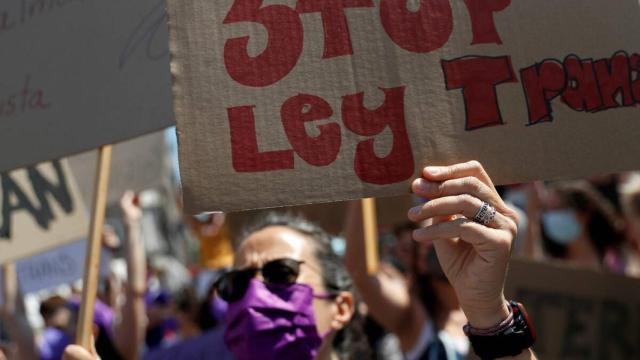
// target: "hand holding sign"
[[474, 256], [76, 352]]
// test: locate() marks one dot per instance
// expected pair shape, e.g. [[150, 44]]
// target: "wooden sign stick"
[[370, 226], [92, 260]]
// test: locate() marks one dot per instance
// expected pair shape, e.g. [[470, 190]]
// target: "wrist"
[[131, 222], [485, 317]]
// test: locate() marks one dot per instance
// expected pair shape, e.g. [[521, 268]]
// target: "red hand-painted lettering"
[[423, 31], [398, 165], [478, 78], [542, 83], [614, 79], [245, 155], [284, 47], [337, 39], [321, 150], [483, 24], [581, 92]]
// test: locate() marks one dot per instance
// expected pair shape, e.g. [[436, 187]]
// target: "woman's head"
[[282, 245], [575, 209]]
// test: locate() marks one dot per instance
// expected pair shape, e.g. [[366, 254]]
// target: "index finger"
[[457, 171]]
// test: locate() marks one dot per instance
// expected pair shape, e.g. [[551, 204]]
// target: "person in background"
[[419, 307], [581, 226], [12, 314], [119, 332], [630, 203], [216, 251], [131, 320], [162, 325], [188, 314], [57, 318], [404, 249], [402, 255]]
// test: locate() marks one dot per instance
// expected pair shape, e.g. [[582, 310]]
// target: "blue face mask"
[[562, 226]]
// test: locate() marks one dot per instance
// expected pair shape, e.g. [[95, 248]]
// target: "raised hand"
[[474, 256]]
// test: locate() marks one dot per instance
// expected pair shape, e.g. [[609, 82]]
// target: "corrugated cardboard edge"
[[177, 81]]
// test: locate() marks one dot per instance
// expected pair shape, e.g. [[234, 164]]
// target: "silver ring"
[[485, 215]]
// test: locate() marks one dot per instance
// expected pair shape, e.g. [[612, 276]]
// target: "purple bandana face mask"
[[273, 322]]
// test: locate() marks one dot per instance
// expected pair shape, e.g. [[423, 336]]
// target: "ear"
[[344, 305]]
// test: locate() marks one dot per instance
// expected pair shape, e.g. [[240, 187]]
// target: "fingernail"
[[433, 170], [415, 211], [422, 185]]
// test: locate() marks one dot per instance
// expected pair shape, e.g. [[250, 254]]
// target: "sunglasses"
[[233, 285]]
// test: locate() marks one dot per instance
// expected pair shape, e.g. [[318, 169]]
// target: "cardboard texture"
[[136, 165], [579, 314], [42, 209], [62, 265], [293, 102], [78, 74]]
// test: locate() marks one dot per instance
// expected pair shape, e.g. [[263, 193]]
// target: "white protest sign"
[[62, 265], [41, 209], [77, 74]]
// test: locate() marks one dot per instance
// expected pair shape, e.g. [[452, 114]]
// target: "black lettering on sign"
[[14, 198]]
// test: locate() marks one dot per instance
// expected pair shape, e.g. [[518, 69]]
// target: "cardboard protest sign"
[[578, 314], [137, 164], [62, 265], [41, 209], [293, 102], [78, 74]]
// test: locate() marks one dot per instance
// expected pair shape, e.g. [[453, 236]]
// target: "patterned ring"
[[485, 215]]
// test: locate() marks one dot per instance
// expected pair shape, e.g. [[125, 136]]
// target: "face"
[[403, 249], [60, 319], [277, 242], [554, 201]]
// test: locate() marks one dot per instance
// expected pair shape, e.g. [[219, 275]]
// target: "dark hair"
[[604, 225], [350, 342], [49, 307], [404, 227]]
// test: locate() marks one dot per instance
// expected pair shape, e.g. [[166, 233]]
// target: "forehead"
[[554, 200], [274, 242]]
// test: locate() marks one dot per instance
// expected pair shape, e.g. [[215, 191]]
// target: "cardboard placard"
[[78, 74], [62, 265], [578, 314], [292, 102], [41, 209]]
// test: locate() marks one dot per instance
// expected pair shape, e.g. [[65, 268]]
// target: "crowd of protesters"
[[289, 273]]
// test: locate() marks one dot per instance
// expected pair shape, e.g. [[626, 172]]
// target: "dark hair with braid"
[[350, 342]]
